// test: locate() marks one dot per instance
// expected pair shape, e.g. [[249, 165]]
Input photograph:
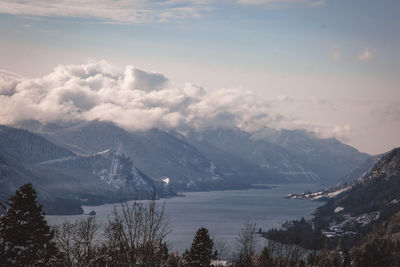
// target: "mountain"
[[26, 147], [368, 207], [346, 182], [118, 172], [330, 159], [213, 158], [237, 155], [362, 169], [373, 198], [115, 172], [64, 180], [156, 153]]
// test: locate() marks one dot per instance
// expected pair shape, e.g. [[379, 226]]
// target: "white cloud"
[[147, 81], [122, 11], [140, 100], [130, 97], [366, 55], [7, 84], [130, 11], [310, 3], [322, 103], [387, 113], [341, 132]]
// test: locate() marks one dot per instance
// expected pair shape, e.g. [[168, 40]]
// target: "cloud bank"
[[139, 100], [132, 98]]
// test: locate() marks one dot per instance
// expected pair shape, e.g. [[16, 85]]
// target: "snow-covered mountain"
[[213, 158], [237, 155], [156, 153], [96, 162], [330, 159], [118, 172], [64, 180]]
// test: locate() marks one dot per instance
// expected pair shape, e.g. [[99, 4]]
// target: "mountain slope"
[[213, 158], [362, 169], [27, 147], [257, 160], [328, 158], [373, 197], [354, 213], [157, 153], [64, 180]]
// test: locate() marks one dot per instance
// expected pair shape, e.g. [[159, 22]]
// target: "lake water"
[[223, 213]]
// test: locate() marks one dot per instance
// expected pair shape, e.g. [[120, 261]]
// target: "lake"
[[223, 213]]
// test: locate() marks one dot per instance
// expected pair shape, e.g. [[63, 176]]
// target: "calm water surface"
[[223, 213]]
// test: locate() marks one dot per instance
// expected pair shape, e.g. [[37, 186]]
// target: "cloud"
[[7, 83], [139, 100], [283, 3], [366, 55], [131, 11], [283, 99], [147, 81], [387, 113], [121, 11], [322, 103], [341, 132], [132, 98]]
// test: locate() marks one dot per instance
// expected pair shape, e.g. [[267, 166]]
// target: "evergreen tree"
[[25, 237], [201, 252]]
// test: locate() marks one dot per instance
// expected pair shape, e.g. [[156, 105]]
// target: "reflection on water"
[[222, 212]]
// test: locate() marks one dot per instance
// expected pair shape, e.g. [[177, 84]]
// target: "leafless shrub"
[[79, 242], [136, 233], [246, 244]]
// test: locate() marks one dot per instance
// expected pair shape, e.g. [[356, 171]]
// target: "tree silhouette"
[[25, 237], [201, 252]]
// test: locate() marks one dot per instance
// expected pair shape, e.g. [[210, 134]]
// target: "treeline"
[[298, 232], [135, 235]]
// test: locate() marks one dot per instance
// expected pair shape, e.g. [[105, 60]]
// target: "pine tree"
[[25, 237], [201, 252]]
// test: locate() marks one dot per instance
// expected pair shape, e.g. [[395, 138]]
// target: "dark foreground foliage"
[[25, 237], [299, 233]]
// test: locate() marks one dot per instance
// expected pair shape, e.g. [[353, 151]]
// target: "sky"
[[327, 66]]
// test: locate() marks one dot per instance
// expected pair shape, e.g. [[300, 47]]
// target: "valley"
[[93, 163]]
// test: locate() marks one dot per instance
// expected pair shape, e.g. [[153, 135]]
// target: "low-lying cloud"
[[132, 98], [139, 100]]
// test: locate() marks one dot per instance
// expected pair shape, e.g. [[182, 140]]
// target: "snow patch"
[[102, 152], [335, 193], [57, 160], [338, 209]]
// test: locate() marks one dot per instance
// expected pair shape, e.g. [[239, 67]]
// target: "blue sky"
[[332, 53]]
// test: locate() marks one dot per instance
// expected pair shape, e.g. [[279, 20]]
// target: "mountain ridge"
[[63, 179]]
